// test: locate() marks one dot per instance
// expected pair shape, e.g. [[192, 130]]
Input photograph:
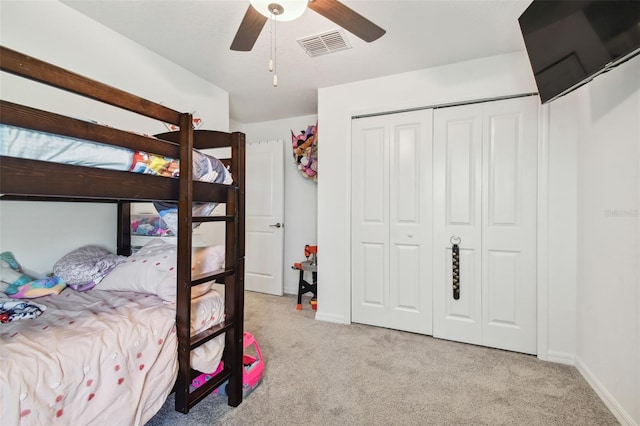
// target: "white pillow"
[[207, 259], [153, 270]]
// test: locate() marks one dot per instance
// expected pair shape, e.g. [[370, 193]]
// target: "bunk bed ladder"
[[232, 275]]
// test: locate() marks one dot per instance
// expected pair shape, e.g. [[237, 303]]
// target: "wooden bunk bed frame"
[[20, 180]]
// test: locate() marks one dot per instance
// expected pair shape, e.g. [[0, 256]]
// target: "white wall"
[[478, 79], [40, 233], [589, 153], [607, 113], [486, 78], [561, 198], [300, 197]]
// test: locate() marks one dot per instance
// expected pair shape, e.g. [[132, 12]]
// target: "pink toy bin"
[[252, 363]]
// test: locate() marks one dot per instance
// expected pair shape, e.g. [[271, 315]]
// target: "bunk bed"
[[30, 179]]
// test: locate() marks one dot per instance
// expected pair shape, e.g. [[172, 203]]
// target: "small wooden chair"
[[309, 265]]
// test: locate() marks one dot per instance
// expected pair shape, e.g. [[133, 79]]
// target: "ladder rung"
[[217, 218], [210, 276], [210, 333], [208, 387]]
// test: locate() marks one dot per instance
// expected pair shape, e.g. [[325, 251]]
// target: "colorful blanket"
[[18, 285], [36, 288], [151, 226], [205, 169]]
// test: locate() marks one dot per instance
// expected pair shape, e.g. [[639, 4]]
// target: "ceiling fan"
[[259, 11]]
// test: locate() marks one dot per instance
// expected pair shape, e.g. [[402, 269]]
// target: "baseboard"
[[561, 357], [335, 318], [618, 411]]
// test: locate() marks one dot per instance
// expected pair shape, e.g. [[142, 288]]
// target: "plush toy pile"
[[305, 151]]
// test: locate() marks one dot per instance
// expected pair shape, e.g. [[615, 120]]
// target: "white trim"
[[616, 409], [335, 318], [446, 105], [347, 298], [543, 235], [561, 357]]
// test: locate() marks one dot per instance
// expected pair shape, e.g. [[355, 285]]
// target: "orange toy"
[[309, 265]]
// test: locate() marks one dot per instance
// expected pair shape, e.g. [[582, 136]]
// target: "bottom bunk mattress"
[[98, 357]]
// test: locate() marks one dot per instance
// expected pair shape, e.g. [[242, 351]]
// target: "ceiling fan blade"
[[348, 19], [249, 30]]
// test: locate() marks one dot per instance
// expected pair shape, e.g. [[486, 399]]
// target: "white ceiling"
[[420, 34]]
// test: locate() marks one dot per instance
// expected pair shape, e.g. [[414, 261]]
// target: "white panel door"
[[485, 159], [457, 185], [410, 197], [391, 221], [509, 199], [264, 227], [370, 222]]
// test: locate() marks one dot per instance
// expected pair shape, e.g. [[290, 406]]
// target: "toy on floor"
[[253, 367], [309, 265]]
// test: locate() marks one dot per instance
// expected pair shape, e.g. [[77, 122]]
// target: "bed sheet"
[[97, 355]]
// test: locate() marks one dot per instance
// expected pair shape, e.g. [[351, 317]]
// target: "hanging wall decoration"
[[305, 151]]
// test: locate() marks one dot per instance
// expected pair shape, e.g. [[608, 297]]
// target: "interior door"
[[264, 239], [391, 221]]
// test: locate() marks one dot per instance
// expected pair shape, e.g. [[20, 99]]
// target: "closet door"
[[391, 221], [457, 215], [370, 222], [485, 162], [509, 200]]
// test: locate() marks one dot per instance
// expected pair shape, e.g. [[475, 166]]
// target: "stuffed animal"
[[10, 272], [18, 285], [305, 151]]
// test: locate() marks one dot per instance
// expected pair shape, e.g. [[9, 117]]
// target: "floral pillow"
[[85, 267]]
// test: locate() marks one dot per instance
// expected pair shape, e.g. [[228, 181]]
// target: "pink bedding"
[[96, 357]]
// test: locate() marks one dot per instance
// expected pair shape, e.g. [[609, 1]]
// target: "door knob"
[[277, 225]]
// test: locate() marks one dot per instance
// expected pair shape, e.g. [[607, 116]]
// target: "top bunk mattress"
[[35, 145]]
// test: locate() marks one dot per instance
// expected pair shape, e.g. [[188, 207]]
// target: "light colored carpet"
[[318, 373]]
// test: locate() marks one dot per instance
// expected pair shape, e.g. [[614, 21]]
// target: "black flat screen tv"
[[569, 42]]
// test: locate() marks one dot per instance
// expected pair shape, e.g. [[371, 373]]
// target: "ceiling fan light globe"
[[291, 9]]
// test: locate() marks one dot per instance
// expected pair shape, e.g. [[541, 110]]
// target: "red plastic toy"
[[252, 362]]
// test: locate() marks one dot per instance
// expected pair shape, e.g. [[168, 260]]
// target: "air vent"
[[325, 43]]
